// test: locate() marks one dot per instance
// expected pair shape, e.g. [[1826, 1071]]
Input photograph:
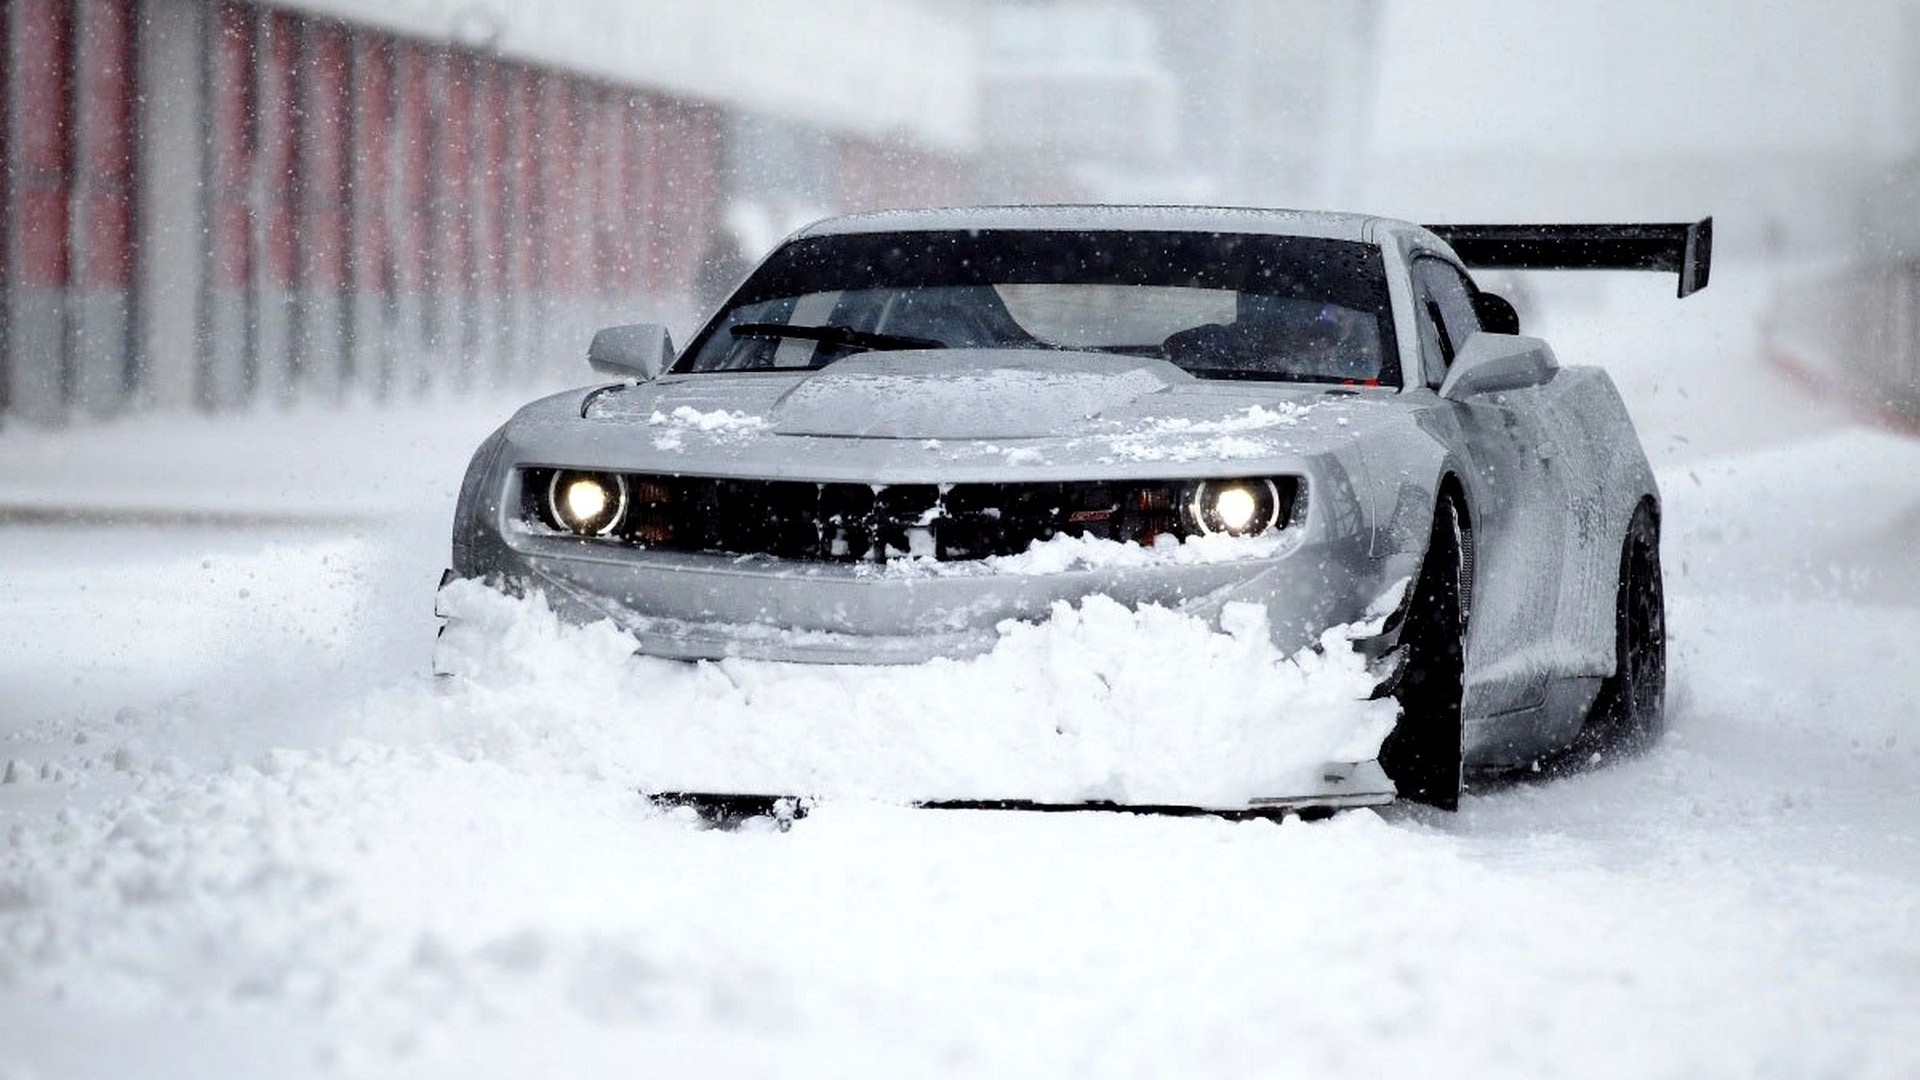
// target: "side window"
[[1434, 355], [1446, 299]]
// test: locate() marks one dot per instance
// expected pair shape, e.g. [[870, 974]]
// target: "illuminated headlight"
[[1232, 507], [587, 503]]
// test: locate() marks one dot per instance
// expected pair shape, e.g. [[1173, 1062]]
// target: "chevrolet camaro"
[[904, 428]]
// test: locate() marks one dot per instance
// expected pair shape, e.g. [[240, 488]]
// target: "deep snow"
[[1098, 703], [245, 833]]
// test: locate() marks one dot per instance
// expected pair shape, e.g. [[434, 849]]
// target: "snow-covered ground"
[[244, 833]]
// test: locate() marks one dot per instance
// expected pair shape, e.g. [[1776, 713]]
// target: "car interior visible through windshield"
[[1223, 306]]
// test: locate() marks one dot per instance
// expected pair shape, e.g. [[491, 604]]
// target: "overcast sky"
[[1645, 76]]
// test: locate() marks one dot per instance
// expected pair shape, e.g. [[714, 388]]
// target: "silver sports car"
[[872, 449]]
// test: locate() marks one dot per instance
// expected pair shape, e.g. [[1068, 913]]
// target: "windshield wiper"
[[836, 335]]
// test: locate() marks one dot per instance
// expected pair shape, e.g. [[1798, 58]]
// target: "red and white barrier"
[[224, 204]]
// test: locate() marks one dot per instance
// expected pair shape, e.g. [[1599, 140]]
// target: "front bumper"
[[702, 606]]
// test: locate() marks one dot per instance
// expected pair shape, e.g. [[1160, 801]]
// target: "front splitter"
[[1343, 787]]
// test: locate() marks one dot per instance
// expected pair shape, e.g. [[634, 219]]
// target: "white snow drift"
[[1098, 703]]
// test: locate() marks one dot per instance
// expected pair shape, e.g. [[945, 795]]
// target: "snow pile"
[[1098, 703], [1061, 553], [1253, 418], [722, 424], [1177, 438], [1065, 553]]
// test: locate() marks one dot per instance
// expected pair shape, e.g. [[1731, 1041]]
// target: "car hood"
[[911, 416], [977, 394]]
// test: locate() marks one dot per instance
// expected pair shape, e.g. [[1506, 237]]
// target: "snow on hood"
[[979, 394], [912, 417]]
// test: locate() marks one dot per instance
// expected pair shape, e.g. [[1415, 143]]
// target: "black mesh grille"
[[869, 523]]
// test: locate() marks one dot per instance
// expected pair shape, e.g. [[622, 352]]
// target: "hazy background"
[[1778, 118], [221, 205]]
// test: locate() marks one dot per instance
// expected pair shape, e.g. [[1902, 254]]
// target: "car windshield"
[[1219, 305]]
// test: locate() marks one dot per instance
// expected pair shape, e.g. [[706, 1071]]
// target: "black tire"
[[1630, 711], [1423, 755]]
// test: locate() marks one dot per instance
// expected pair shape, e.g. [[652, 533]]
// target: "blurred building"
[[1076, 103], [1774, 118], [1250, 102], [1276, 96], [217, 202], [1850, 326]]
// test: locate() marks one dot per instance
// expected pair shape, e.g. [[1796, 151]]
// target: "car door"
[[1514, 489]]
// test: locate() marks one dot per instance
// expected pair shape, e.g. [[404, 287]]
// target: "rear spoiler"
[[1677, 248]]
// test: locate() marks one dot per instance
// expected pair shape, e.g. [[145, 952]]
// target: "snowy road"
[[244, 833]]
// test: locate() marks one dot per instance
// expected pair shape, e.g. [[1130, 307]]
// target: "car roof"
[[1234, 219]]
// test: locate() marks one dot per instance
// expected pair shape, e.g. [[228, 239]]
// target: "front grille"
[[841, 522]]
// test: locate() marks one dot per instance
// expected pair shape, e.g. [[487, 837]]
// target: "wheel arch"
[[1452, 489], [1425, 752], [1650, 503]]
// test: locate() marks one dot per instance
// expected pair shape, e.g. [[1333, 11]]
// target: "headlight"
[[587, 503], [1232, 507]]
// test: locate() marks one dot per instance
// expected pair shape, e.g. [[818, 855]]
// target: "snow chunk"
[[1063, 553], [723, 424], [1178, 438], [718, 420], [1255, 418]]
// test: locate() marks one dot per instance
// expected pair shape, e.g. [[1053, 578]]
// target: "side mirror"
[[640, 351], [1496, 313], [1489, 363]]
